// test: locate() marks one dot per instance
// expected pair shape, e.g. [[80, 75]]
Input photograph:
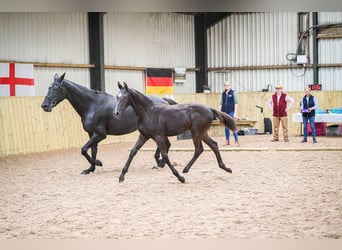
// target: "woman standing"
[[308, 108], [229, 105]]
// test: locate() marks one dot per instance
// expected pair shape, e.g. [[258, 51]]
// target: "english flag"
[[16, 79], [159, 81]]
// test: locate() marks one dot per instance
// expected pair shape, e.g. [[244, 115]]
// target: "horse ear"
[[55, 77], [125, 84], [62, 77], [119, 85]]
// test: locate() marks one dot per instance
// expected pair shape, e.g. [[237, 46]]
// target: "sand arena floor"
[[272, 193]]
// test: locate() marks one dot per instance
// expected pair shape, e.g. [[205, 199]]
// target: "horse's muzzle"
[[46, 108], [116, 112]]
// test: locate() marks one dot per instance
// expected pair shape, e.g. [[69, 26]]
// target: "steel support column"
[[201, 60], [96, 50], [315, 49]]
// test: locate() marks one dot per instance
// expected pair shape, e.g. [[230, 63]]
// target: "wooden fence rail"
[[26, 128]]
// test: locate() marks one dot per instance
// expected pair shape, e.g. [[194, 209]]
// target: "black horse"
[[96, 111], [160, 121]]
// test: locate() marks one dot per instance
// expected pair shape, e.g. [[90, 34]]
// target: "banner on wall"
[[16, 79], [180, 75], [159, 81]]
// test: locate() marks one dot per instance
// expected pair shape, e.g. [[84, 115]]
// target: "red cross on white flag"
[[16, 79]]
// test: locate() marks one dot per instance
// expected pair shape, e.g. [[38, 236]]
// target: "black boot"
[[304, 140]]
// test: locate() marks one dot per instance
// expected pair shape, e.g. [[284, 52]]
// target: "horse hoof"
[[98, 163], [181, 179], [229, 170], [121, 179], [160, 164], [85, 171]]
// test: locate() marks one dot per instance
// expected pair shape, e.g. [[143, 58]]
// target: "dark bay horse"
[[160, 121], [96, 111]]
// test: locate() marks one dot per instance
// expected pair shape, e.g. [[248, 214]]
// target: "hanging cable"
[[292, 57]]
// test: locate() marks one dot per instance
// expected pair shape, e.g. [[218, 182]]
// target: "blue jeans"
[[312, 125], [226, 130]]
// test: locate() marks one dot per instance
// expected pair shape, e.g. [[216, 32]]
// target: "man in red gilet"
[[278, 104]]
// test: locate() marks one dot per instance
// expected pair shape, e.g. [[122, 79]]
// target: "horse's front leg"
[[94, 154], [160, 162], [162, 145], [140, 142], [92, 143]]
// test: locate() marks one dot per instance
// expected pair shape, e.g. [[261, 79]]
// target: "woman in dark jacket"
[[229, 105], [308, 108]]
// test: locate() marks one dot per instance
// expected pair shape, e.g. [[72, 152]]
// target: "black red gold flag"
[[159, 81]]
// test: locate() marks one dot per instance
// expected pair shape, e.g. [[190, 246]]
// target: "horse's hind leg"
[[214, 147], [198, 151]]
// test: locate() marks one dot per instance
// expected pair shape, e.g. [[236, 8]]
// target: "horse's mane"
[[85, 88], [141, 95]]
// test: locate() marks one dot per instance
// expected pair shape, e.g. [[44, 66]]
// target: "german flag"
[[159, 81]]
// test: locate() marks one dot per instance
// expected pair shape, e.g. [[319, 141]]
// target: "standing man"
[[308, 108], [229, 105], [278, 104]]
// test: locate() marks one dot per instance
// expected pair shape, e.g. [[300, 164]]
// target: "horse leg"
[[161, 162], [92, 143], [93, 155], [214, 147], [164, 148], [198, 151], [140, 142], [156, 156]]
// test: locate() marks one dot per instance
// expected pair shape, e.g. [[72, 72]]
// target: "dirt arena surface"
[[271, 194]]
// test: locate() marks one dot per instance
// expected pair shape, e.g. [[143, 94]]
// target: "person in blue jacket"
[[229, 105], [308, 108]]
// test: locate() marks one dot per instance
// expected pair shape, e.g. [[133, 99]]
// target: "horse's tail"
[[227, 120], [169, 101]]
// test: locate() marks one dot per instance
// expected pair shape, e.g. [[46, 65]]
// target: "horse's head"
[[55, 94], [123, 100]]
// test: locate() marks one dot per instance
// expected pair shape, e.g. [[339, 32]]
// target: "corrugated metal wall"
[[256, 80], [149, 39], [47, 38], [159, 40], [252, 39], [330, 52], [167, 40], [44, 37], [131, 39], [264, 39], [329, 17]]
